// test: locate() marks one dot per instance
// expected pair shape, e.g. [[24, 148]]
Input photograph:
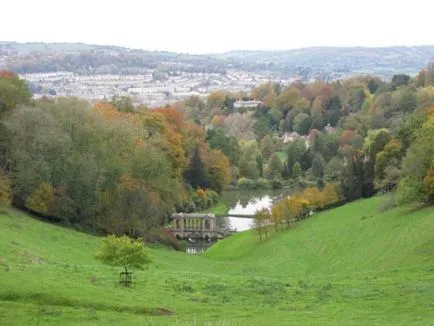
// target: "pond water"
[[246, 203], [241, 203]]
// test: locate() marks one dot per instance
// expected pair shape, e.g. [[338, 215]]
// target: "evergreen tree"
[[195, 173]]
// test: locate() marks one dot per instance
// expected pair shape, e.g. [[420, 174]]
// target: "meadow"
[[348, 266]]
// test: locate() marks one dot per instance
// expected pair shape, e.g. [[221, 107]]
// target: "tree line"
[[100, 167], [359, 136], [119, 168]]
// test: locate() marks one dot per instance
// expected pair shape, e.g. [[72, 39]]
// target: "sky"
[[210, 26]]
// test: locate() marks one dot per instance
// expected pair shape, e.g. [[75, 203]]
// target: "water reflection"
[[239, 224], [197, 246], [253, 205], [240, 203]]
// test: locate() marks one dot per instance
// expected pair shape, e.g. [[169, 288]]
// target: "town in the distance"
[[155, 79]]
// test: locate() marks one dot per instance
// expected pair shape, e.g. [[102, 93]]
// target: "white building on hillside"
[[247, 104]]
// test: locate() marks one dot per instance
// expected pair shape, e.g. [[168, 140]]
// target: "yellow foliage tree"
[[277, 216], [313, 195], [41, 199], [328, 195], [5, 190]]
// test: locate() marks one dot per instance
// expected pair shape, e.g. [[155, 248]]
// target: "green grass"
[[220, 209], [347, 266]]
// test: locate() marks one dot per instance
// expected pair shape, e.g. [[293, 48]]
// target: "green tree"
[[288, 99], [123, 103], [296, 170], [267, 147], [333, 169], [318, 166], [417, 162], [399, 80], [274, 167], [403, 100], [410, 189], [302, 123], [195, 172], [13, 91], [387, 165], [124, 252], [295, 153], [356, 98], [226, 143]]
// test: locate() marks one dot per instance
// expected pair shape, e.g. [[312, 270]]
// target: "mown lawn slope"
[[347, 266]]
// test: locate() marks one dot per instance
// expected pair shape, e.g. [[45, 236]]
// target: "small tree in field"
[[125, 252]]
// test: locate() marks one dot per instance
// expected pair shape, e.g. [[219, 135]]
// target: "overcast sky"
[[200, 26]]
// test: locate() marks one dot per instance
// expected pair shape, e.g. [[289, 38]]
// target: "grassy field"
[[348, 266]]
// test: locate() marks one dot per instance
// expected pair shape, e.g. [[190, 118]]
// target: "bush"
[[200, 199], [212, 196], [244, 183], [187, 206], [262, 183], [164, 237], [276, 184]]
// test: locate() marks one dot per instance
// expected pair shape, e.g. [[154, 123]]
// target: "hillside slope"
[[348, 266]]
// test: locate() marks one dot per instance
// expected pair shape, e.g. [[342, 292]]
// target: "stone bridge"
[[197, 226]]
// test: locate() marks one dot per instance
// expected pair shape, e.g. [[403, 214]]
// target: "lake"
[[240, 202], [247, 202]]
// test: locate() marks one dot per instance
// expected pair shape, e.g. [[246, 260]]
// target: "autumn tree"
[[260, 222], [5, 190], [41, 199], [217, 169], [328, 195], [277, 216], [313, 196]]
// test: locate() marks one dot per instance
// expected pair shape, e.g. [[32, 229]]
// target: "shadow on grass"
[[47, 299]]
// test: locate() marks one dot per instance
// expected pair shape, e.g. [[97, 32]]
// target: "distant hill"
[[384, 61], [314, 62], [98, 59]]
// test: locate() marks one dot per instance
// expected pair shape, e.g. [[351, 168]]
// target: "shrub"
[[262, 183], [276, 184], [244, 183], [213, 197], [187, 206], [164, 237], [200, 199]]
